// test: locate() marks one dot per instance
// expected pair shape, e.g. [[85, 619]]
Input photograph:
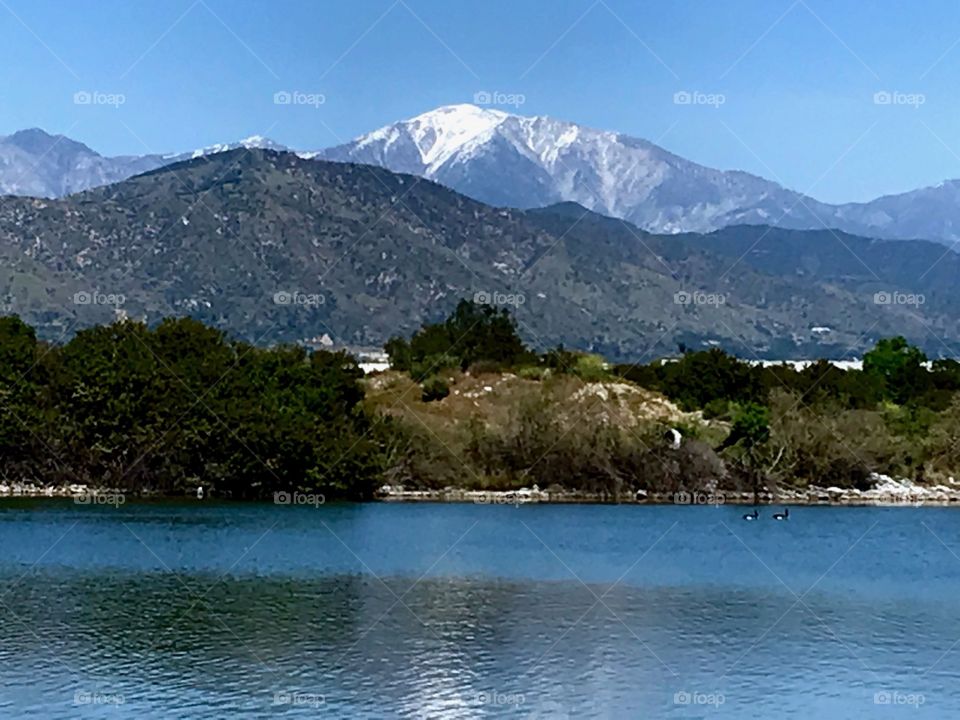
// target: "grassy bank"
[[500, 431]]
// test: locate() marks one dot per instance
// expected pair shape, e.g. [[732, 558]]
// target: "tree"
[[21, 385], [472, 333], [697, 378], [751, 427], [900, 366]]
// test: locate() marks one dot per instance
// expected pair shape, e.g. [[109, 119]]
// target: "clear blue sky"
[[798, 78]]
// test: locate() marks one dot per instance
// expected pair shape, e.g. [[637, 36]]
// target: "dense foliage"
[[177, 406], [893, 371], [822, 424], [473, 333]]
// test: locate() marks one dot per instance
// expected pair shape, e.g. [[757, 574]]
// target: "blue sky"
[[797, 79]]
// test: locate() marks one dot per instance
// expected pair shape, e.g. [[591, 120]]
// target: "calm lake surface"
[[201, 610]]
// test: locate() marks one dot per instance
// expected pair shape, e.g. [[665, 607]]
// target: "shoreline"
[[442, 498], [886, 492]]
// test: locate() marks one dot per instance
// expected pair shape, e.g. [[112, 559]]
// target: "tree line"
[[167, 408]]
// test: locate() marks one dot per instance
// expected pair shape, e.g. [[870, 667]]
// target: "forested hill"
[[272, 247]]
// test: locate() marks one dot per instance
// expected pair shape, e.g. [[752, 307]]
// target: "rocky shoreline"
[[885, 492], [27, 489]]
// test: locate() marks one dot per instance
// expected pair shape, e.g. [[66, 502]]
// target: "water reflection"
[[102, 624]]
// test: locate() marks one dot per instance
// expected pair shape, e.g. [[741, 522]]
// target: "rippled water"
[[201, 610]]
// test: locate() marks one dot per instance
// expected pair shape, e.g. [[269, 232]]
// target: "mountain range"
[[510, 160], [274, 247]]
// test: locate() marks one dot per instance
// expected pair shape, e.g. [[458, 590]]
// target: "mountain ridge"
[[511, 160], [276, 248]]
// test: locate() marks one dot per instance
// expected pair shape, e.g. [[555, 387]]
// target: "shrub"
[[485, 367], [716, 408], [942, 445], [434, 388], [590, 368], [533, 372], [827, 446], [120, 406]]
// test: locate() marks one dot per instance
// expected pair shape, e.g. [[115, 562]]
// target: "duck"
[[200, 492], [785, 515], [752, 516]]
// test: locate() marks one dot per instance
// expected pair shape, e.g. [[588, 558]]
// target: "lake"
[[212, 610]]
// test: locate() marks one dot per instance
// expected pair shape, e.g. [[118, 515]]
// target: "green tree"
[[900, 367], [22, 411], [472, 333], [697, 378]]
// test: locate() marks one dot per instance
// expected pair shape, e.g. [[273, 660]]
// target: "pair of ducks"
[[755, 515]]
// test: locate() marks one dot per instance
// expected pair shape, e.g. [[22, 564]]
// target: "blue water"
[[201, 610]]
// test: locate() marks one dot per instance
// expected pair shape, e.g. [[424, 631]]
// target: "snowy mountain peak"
[[261, 142], [440, 133], [258, 142], [521, 161], [459, 113]]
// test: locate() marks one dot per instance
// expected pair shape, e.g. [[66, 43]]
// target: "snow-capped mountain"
[[512, 160], [518, 161], [258, 142], [506, 159]]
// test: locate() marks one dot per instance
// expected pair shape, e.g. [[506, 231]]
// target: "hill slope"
[[274, 247]]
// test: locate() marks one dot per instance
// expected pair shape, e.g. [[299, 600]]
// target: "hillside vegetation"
[[468, 405], [505, 417]]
